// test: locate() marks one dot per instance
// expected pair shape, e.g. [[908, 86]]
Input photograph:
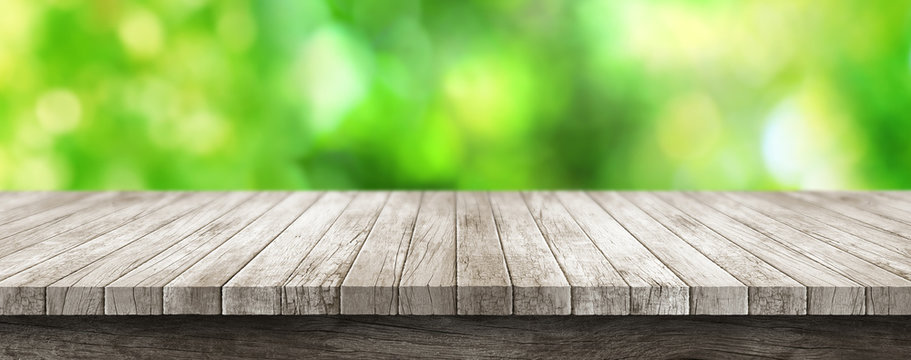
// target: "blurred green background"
[[624, 94]]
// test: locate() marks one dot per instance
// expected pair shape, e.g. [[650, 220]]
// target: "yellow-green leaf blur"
[[467, 94]]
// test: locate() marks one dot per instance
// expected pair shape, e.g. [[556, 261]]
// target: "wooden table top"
[[445, 253]]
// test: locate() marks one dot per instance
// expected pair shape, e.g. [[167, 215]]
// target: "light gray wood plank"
[[882, 204], [198, 289], [46, 224], [771, 292], [597, 288], [871, 219], [11, 197], [864, 262], [900, 200], [13, 200], [34, 279], [484, 286], [876, 233], [714, 291], [371, 285], [539, 286], [654, 289], [428, 283], [140, 291], [82, 292], [257, 288], [40, 205], [90, 212], [829, 290], [35, 250], [314, 286]]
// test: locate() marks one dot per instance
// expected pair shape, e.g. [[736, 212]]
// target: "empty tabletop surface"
[[455, 253]]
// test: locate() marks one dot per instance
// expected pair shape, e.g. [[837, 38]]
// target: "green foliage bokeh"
[[536, 94]]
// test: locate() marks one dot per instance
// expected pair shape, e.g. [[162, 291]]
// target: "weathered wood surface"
[[456, 337], [447, 253]]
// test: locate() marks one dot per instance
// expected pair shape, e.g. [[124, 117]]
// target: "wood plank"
[[455, 337], [314, 286], [257, 288], [597, 288], [13, 200], [829, 290], [87, 213], [654, 289], [713, 291], [407, 252], [881, 204], [539, 286], [82, 292], [771, 292], [25, 292], [484, 286], [47, 221], [869, 218], [198, 289], [35, 250], [428, 283], [900, 200], [140, 291], [862, 261], [40, 205], [371, 285], [849, 231]]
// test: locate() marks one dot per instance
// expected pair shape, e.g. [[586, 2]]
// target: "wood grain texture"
[[370, 287], [33, 229], [881, 247], [887, 293], [257, 288], [314, 286], [445, 253], [883, 204], [597, 288], [654, 289], [428, 283], [484, 286], [38, 205], [895, 200], [457, 337], [198, 289], [90, 214], [713, 291], [539, 286], [829, 291], [872, 219], [82, 292], [771, 292], [140, 291], [13, 200], [27, 288]]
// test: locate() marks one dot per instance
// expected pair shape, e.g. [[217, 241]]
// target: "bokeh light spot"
[[807, 143], [141, 33], [58, 111], [42, 172], [487, 95], [202, 132], [689, 127], [334, 75]]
